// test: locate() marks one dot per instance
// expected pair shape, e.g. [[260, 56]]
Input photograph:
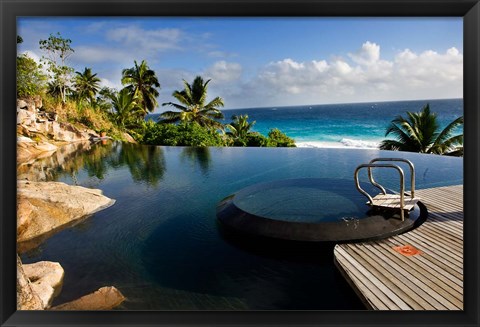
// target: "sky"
[[269, 62]]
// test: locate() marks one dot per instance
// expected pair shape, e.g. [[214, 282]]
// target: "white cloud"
[[149, 41], [366, 77], [105, 82], [222, 71], [368, 54], [95, 27], [91, 54]]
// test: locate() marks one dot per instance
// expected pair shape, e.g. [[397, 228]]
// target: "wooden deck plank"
[[430, 289], [382, 290], [387, 280], [449, 281], [391, 276], [375, 298]]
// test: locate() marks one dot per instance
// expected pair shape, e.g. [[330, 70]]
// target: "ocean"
[[354, 125]]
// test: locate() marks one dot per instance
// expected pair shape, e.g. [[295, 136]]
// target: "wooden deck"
[[431, 280]]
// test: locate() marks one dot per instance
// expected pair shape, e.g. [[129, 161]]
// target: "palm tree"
[[126, 106], [54, 89], [87, 84], [141, 81], [420, 133], [240, 127], [192, 105]]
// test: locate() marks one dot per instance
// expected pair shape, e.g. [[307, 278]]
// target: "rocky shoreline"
[[44, 208]]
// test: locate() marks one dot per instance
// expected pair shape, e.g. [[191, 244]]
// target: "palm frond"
[[448, 130], [177, 106]]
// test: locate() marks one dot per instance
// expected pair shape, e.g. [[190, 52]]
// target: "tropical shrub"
[[277, 138], [183, 134]]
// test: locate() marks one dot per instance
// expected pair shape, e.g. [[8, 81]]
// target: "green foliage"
[[240, 135], [239, 127], [256, 139], [420, 133], [193, 107], [142, 82], [58, 50], [103, 100], [127, 109], [277, 138], [19, 39], [86, 85], [31, 80], [183, 134]]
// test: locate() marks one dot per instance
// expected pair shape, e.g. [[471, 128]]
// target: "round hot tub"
[[313, 209]]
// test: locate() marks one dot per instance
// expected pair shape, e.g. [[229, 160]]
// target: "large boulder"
[[43, 207], [40, 282], [105, 298], [46, 280], [27, 298]]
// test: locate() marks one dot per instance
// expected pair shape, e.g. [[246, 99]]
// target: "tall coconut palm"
[[142, 82], [193, 107], [87, 85], [420, 133], [126, 107], [240, 127]]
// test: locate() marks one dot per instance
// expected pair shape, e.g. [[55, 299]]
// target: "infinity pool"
[[313, 210], [161, 244]]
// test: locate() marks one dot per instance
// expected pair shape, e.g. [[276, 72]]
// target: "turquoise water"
[[352, 125], [161, 245]]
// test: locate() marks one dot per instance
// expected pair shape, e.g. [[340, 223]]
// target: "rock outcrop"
[[39, 283], [104, 298], [46, 279], [27, 299], [43, 207], [36, 121]]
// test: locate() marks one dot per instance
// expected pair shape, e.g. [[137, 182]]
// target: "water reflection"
[[68, 160], [146, 164], [197, 155]]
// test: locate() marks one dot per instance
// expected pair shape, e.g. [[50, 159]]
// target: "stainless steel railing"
[[412, 174], [373, 165]]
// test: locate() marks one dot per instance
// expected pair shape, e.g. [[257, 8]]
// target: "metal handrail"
[[402, 183], [412, 174]]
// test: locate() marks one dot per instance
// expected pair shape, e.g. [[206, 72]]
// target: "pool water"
[[305, 200], [313, 210], [161, 244]]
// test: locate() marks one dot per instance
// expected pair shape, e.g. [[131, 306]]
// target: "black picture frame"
[[468, 9]]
